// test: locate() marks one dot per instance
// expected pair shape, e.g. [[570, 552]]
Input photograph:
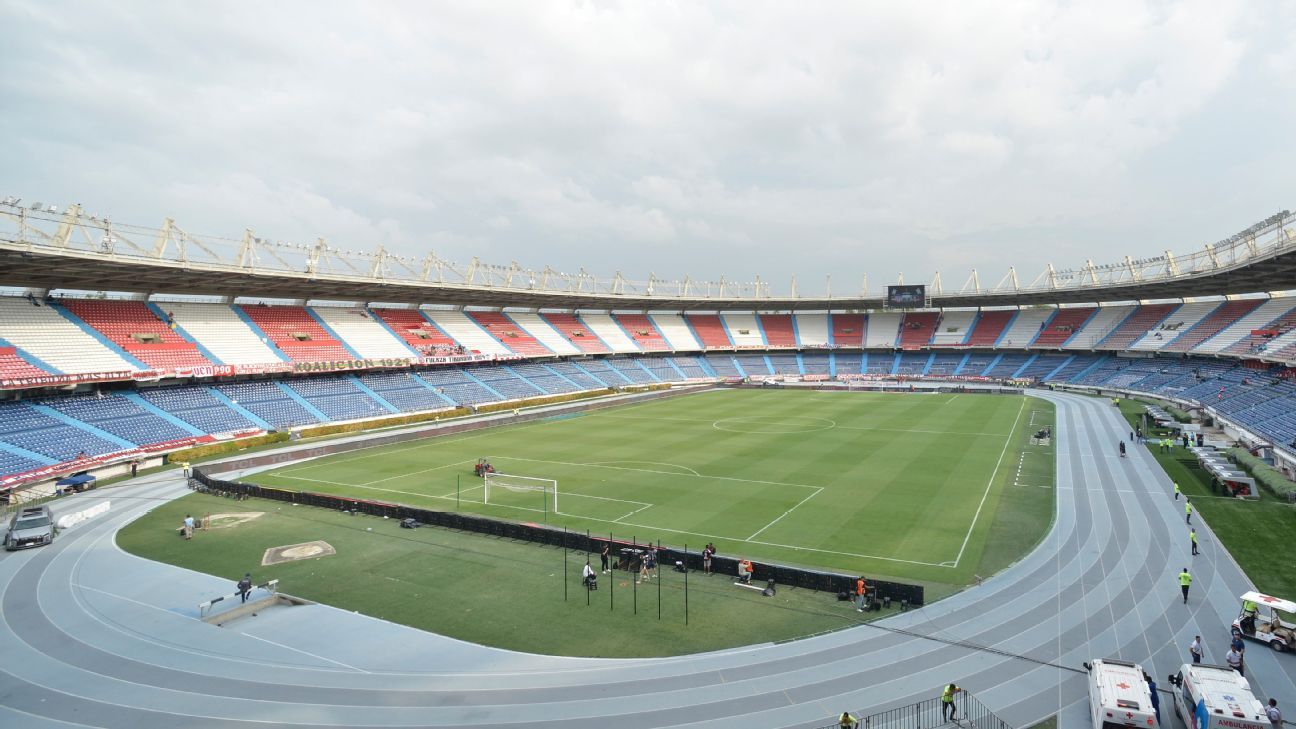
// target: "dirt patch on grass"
[[294, 552], [226, 521]]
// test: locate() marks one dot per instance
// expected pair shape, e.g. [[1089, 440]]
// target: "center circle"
[[773, 424]]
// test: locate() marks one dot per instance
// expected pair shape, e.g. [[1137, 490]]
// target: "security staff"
[[948, 710], [1187, 511], [1185, 580], [1192, 534], [1176, 490]]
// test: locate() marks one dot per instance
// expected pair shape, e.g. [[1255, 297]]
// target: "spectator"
[[188, 526], [707, 553], [245, 587]]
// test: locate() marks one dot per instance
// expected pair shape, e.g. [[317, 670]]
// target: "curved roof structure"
[[41, 249]]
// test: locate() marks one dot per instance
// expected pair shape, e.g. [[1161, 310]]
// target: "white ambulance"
[[1119, 697], [1209, 696]]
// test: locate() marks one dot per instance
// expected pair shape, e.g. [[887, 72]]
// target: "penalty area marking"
[[691, 472]]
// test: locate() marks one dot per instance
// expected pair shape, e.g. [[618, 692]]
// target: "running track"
[[90, 636]]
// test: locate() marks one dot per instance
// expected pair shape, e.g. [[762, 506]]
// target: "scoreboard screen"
[[906, 297]]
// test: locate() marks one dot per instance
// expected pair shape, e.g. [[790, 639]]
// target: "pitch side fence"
[[575, 541]]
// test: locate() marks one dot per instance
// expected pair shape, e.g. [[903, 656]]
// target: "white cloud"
[[658, 136]]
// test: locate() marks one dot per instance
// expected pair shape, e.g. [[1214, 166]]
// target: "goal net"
[[522, 492]]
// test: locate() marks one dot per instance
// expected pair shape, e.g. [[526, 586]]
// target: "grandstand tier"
[[1215, 322], [607, 329], [1062, 326], [779, 330], [575, 331], [363, 334], [883, 330], [989, 326], [676, 332], [954, 327], [1098, 327], [298, 334], [917, 329], [710, 331], [41, 333], [848, 330], [507, 332], [136, 328], [466, 331], [416, 331], [643, 332], [1137, 324]]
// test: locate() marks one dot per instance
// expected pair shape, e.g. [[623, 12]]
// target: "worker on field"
[[1192, 535], [1176, 490], [1187, 511], [861, 593], [1185, 581]]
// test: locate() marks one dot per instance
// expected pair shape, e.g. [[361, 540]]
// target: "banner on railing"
[[337, 365], [17, 383]]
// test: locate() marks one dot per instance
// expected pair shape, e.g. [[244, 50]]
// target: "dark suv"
[[32, 526]]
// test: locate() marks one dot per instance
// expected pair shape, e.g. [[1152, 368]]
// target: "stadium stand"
[[221, 332], [744, 330], [134, 327], [1242, 327], [943, 364], [975, 365], [403, 391], [42, 332], [1043, 365], [458, 386], [754, 364], [784, 364], [811, 329], [690, 366], [917, 328], [537, 327], [338, 397], [676, 331], [779, 331], [1023, 328], [121, 417], [723, 365], [573, 372], [710, 330], [879, 364], [989, 326], [295, 332], [1077, 365], [12, 365], [883, 330], [1220, 319], [1007, 365], [1181, 320], [600, 369], [849, 363], [1098, 327], [362, 334], [642, 331], [848, 330], [517, 339], [504, 381], [953, 327], [1136, 325], [1257, 341], [1062, 326], [197, 407], [815, 363], [911, 363], [569, 326], [25, 427], [269, 401], [466, 331], [544, 378], [631, 370], [610, 332], [416, 331], [661, 368]]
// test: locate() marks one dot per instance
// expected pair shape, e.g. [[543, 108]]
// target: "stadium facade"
[[121, 342]]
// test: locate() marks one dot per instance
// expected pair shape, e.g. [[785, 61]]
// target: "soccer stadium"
[[350, 375]]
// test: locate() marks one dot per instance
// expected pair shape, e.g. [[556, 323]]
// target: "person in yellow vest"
[[1192, 535], [1187, 511], [846, 721], [948, 710], [1176, 491], [1249, 612], [1185, 581]]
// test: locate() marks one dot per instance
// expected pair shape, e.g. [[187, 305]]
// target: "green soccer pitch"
[[928, 487]]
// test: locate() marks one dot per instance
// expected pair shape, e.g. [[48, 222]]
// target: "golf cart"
[[1264, 623]]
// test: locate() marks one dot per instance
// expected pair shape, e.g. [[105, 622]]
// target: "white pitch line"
[[780, 516], [649, 470], [990, 484]]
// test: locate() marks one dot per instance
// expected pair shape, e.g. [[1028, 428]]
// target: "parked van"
[[1119, 696], [1208, 697]]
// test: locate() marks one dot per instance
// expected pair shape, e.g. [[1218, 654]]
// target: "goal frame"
[[546, 486]]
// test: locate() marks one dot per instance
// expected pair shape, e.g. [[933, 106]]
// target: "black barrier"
[[761, 571]]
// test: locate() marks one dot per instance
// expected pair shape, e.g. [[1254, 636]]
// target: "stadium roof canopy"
[[41, 249]]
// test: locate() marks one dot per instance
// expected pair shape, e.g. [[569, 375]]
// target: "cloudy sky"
[[699, 138]]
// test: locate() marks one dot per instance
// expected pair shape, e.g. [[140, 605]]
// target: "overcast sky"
[[735, 138]]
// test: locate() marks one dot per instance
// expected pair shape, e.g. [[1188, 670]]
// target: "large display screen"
[[906, 297]]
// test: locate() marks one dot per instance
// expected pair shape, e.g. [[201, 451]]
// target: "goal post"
[[505, 489]]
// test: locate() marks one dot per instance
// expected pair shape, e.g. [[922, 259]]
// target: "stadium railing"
[[929, 713]]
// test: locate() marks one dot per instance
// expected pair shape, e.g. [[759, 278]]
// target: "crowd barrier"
[[911, 595]]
